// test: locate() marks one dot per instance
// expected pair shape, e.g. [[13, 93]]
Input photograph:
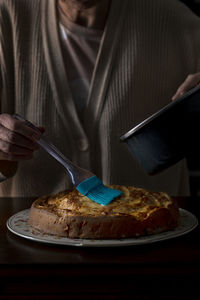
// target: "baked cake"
[[137, 212]]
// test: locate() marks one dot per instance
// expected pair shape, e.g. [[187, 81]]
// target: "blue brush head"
[[95, 190]]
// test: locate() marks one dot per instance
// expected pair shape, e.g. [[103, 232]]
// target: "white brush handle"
[[76, 173]]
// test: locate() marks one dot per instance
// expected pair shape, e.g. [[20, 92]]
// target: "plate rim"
[[167, 235]]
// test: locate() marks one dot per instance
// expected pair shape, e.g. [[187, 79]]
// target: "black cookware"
[[167, 136]]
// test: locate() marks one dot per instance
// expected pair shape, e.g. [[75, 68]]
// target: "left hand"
[[191, 81]]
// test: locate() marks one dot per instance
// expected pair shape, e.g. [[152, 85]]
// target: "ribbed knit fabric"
[[148, 49]]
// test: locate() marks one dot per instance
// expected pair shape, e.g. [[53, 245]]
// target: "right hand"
[[190, 82], [17, 140]]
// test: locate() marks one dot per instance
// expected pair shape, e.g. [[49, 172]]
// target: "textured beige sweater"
[[147, 50]]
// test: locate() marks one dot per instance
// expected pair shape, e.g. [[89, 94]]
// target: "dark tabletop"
[[164, 270]]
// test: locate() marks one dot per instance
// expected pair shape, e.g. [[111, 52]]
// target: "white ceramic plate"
[[18, 224]]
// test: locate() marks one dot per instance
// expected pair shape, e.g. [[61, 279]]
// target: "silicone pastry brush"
[[85, 182]]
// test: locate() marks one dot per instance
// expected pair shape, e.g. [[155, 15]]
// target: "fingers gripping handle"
[[18, 117], [76, 174], [50, 148]]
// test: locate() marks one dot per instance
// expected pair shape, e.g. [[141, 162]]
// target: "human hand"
[[17, 140], [191, 81]]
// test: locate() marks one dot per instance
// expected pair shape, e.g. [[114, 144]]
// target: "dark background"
[[193, 158], [193, 4]]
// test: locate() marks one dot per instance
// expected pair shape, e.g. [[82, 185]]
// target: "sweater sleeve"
[[7, 168], [188, 30]]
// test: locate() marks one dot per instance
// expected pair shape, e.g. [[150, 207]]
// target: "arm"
[[17, 143]]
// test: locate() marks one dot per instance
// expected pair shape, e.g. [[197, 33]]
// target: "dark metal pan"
[[167, 136]]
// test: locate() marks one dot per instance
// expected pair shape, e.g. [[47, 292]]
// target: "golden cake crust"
[[137, 212]]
